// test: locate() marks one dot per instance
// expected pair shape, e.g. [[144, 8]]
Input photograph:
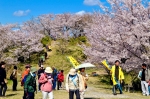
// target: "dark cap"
[[117, 61], [15, 67], [2, 63], [144, 65]]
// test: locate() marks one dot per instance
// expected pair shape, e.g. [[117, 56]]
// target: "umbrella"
[[85, 65]]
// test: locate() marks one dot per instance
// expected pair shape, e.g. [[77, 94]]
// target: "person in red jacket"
[[60, 79]]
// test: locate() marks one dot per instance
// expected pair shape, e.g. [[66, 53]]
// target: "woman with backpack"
[[24, 75], [30, 84], [46, 83], [74, 84], [13, 77]]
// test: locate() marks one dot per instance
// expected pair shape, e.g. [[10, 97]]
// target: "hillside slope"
[[58, 56]]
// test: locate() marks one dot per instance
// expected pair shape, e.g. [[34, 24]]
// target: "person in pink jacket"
[[46, 83]]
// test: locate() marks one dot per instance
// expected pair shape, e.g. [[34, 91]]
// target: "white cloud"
[[91, 2], [21, 13], [80, 13]]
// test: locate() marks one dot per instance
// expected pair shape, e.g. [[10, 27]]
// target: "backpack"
[[24, 80], [11, 76]]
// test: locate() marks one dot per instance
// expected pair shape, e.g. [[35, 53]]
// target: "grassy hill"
[[60, 50]]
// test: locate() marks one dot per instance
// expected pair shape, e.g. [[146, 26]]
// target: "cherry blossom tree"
[[20, 40], [5, 41], [123, 31], [63, 25], [29, 39]]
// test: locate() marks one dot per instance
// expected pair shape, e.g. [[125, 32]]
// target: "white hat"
[[42, 66], [48, 70], [72, 72]]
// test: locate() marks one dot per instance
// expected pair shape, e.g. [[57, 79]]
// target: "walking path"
[[102, 93]]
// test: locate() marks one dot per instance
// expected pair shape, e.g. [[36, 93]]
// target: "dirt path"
[[94, 93], [53, 45], [102, 93]]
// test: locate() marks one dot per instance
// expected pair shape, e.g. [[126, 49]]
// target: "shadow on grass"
[[17, 90], [9, 95]]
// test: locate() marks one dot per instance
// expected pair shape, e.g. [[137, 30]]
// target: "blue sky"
[[18, 11]]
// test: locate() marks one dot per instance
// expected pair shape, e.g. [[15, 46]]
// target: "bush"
[[82, 39], [46, 40], [79, 40]]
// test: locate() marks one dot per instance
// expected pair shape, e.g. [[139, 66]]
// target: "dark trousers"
[[24, 95], [3, 89], [39, 86], [58, 84], [72, 92], [14, 84], [30, 95]]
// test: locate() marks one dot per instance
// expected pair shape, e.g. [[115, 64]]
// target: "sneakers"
[[115, 93], [145, 95]]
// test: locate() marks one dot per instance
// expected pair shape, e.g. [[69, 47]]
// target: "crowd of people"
[[47, 79], [76, 81]]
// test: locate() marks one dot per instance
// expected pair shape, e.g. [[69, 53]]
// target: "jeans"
[[118, 86], [47, 94], [3, 89], [54, 84], [144, 86], [14, 84], [72, 92]]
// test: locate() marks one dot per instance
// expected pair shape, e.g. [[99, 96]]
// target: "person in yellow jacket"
[[117, 77]]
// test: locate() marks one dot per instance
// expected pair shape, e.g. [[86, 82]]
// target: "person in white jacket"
[[74, 84]]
